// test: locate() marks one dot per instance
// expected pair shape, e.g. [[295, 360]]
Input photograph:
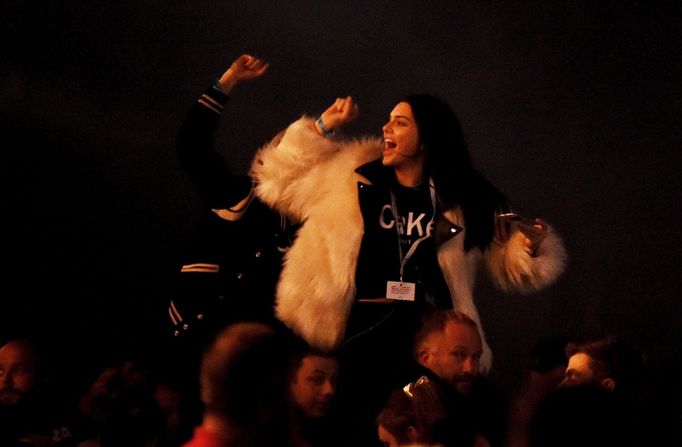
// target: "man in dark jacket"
[[448, 345]]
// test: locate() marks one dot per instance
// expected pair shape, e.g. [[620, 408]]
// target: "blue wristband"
[[327, 132]]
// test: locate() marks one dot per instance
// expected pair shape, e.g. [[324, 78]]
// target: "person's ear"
[[423, 356], [608, 384]]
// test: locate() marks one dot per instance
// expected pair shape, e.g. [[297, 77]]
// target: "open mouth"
[[390, 144]]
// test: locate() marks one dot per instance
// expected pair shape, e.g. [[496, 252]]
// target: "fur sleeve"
[[313, 180], [285, 168], [513, 269]]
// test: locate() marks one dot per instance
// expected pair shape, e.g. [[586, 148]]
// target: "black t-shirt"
[[415, 215], [380, 253]]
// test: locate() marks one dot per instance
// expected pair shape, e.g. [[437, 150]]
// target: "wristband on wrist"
[[217, 86], [327, 132]]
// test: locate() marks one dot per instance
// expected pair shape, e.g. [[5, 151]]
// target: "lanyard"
[[413, 247]]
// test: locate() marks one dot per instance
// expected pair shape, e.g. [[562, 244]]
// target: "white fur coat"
[[313, 180]]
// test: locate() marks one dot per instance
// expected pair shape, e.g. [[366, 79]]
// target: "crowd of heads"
[[265, 386]]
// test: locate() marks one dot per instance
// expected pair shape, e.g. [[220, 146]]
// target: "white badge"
[[397, 290]]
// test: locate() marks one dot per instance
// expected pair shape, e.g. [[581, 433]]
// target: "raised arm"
[[244, 68], [341, 112], [206, 168], [291, 169]]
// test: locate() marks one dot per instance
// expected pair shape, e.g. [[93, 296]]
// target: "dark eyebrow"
[[402, 116]]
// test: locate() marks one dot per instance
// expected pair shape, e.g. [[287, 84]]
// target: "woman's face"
[[401, 138]]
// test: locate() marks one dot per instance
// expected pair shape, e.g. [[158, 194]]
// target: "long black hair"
[[448, 162]]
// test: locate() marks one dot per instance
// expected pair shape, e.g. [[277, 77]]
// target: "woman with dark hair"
[[405, 220], [391, 227]]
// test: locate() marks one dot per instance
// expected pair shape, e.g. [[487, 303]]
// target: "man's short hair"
[[434, 322], [244, 371], [611, 357]]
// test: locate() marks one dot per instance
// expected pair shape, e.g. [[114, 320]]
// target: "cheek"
[[451, 366], [312, 391], [317, 390], [299, 392], [440, 366], [410, 141], [409, 145]]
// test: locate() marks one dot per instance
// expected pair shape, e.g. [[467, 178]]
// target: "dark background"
[[571, 108]]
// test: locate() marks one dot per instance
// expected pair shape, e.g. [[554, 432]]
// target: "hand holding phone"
[[534, 230]]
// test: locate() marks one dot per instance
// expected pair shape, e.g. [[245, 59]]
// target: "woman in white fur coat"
[[390, 227], [349, 250]]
